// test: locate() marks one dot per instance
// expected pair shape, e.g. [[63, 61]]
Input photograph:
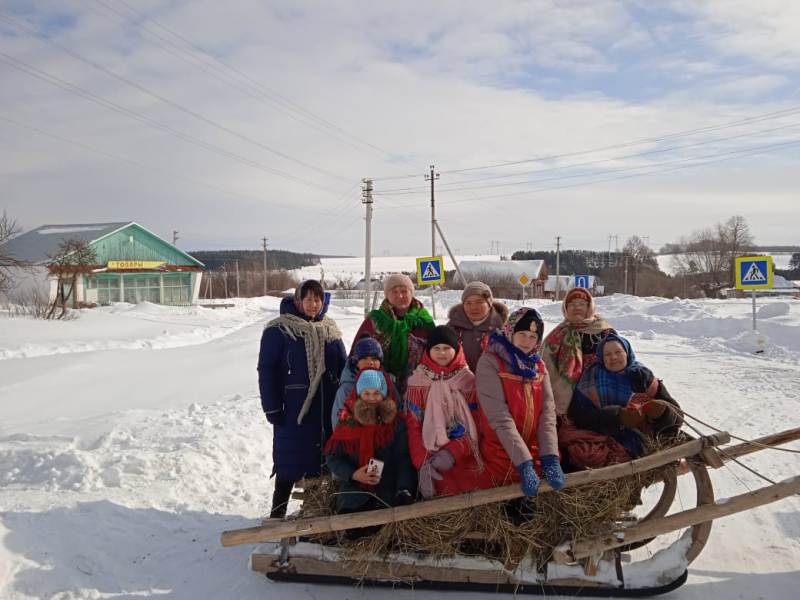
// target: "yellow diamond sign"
[[524, 279]]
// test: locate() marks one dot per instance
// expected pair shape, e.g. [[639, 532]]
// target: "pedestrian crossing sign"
[[753, 272], [430, 270]]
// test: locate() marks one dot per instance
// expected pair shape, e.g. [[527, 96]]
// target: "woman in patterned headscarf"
[[519, 421], [572, 345]]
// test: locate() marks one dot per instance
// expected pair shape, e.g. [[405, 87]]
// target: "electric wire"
[[113, 106], [177, 106]]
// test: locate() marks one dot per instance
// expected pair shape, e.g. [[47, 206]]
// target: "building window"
[[107, 288], [177, 289], [142, 288]]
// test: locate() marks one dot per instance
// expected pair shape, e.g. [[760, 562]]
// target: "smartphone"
[[375, 467]]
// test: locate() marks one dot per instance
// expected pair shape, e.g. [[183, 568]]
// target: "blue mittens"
[[551, 469], [530, 480]]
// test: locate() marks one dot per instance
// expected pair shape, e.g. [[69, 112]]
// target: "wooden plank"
[[762, 443], [315, 525], [687, 518], [380, 570]]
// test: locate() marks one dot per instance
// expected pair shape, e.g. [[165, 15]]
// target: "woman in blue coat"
[[301, 357]]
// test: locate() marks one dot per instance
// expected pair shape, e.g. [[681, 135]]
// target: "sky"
[[230, 122]]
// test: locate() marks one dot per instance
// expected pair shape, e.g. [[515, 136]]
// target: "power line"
[[753, 119], [83, 93], [715, 158], [221, 70], [466, 185], [167, 101], [612, 159], [147, 167]]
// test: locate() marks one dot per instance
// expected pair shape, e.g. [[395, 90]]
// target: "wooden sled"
[[601, 566]]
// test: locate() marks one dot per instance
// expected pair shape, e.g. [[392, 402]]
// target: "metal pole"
[[367, 199], [433, 177], [264, 242], [625, 285], [754, 310], [558, 267], [452, 256]]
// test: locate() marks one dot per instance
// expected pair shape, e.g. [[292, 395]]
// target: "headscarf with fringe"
[[446, 393], [315, 333], [564, 343]]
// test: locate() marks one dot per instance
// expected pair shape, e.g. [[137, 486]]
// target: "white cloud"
[[427, 82]]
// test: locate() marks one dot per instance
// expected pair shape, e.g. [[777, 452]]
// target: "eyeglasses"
[[578, 303]]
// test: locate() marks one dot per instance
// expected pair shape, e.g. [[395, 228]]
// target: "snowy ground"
[[132, 436]]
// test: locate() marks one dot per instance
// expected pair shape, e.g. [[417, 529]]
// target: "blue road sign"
[[582, 281], [753, 272], [430, 270]]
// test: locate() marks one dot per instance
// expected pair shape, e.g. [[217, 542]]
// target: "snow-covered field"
[[133, 435]]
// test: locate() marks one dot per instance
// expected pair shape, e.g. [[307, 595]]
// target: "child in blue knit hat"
[[368, 451], [367, 354]]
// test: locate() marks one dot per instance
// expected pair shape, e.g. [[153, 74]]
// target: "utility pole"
[[175, 237], [625, 285], [366, 199], [558, 267], [238, 293], [264, 242], [432, 178]]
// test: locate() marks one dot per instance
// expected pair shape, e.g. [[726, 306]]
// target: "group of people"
[[417, 409]]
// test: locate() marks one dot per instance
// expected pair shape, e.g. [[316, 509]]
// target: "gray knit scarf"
[[315, 334]]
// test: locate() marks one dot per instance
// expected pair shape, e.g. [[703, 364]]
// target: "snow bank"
[[120, 465]]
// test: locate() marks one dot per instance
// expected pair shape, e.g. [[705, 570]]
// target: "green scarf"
[[394, 332]]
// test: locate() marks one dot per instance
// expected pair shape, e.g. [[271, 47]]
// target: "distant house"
[[567, 282], [492, 271], [132, 264]]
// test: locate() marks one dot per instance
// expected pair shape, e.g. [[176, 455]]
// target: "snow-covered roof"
[[567, 282], [477, 268], [39, 245], [780, 282]]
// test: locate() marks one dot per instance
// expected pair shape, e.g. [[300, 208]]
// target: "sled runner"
[[608, 563]]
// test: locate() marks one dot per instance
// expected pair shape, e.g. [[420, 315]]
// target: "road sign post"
[[523, 281], [430, 271], [753, 273]]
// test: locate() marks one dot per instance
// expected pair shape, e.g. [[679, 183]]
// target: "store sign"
[[134, 264]]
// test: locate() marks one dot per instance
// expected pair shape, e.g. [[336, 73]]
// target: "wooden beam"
[[762, 443], [687, 518], [315, 525]]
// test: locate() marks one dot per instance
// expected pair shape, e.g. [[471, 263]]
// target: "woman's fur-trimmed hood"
[[495, 319]]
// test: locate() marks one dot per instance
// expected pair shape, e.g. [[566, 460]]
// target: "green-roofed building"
[[132, 264]]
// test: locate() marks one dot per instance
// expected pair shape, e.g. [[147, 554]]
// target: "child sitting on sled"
[[368, 451], [519, 441], [441, 407], [367, 354]]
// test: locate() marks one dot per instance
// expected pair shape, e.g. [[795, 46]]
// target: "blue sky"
[[115, 110]]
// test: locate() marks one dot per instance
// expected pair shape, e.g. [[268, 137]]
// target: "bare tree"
[[707, 256], [74, 257], [8, 262], [735, 238]]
